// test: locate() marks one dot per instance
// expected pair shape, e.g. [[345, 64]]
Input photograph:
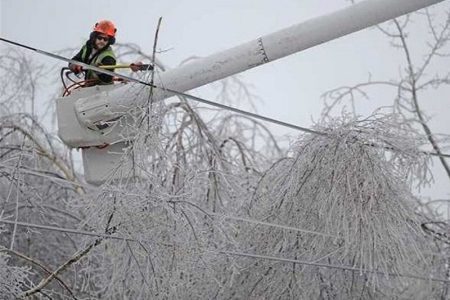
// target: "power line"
[[209, 213], [68, 230], [233, 253], [198, 99], [276, 225], [271, 225], [340, 267], [243, 112], [75, 231], [275, 121]]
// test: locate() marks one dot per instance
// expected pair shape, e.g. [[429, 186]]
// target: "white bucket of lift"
[[110, 163]]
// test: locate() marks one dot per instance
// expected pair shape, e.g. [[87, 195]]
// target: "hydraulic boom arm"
[[251, 54]]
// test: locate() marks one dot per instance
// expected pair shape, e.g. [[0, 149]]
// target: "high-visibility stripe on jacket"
[[96, 60]]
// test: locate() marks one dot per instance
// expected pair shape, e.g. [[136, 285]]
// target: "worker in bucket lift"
[[98, 52]]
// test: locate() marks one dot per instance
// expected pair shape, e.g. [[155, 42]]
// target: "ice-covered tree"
[[220, 210]]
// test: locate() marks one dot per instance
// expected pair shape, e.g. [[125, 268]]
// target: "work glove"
[[135, 66], [76, 68]]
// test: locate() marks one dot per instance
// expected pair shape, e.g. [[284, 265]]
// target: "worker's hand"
[[136, 66], [76, 68]]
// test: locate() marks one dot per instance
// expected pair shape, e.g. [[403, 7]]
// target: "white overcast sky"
[[290, 88]]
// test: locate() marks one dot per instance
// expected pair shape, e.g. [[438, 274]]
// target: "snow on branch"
[[13, 280], [341, 185]]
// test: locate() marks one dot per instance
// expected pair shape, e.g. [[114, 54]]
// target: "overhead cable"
[[233, 253], [329, 266], [198, 99]]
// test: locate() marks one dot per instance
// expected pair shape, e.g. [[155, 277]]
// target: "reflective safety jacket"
[[103, 57]]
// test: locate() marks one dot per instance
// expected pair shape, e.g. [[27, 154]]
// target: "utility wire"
[[244, 112], [271, 225], [339, 267], [222, 216], [68, 230], [75, 231], [233, 253], [198, 99], [275, 121]]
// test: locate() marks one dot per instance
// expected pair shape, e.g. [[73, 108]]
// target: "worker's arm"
[[76, 68]]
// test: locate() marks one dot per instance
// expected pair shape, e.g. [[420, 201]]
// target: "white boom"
[[262, 50], [92, 108]]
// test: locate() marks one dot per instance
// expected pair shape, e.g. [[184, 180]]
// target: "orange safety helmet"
[[106, 27]]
